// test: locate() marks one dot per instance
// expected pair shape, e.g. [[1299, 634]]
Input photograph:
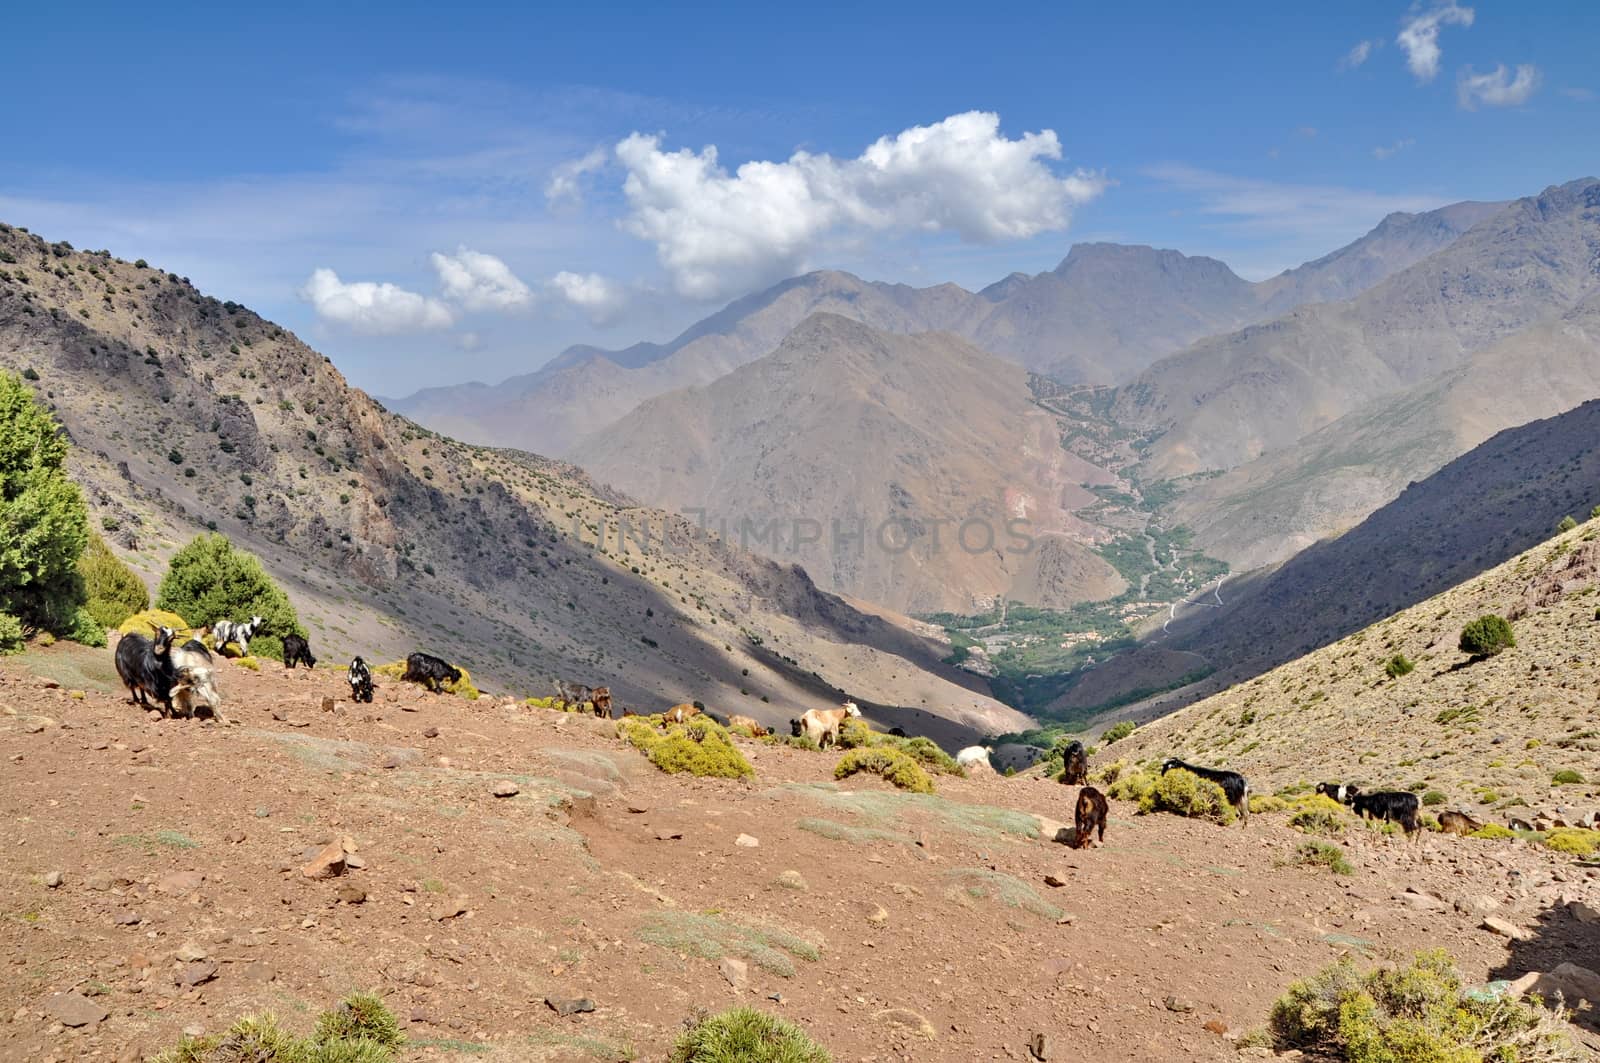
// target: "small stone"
[[194, 1029], [34, 724], [327, 704], [54, 879], [1039, 1047], [98, 881], [431, 732], [792, 880], [1506, 930], [506, 788], [234, 837], [638, 810], [189, 952], [564, 1007], [1180, 1006], [74, 1009], [450, 909], [1583, 913], [878, 916], [180, 882], [350, 893], [1052, 880], [668, 835], [194, 974], [737, 972], [256, 972], [745, 841], [328, 862], [354, 861], [907, 1020], [128, 919]]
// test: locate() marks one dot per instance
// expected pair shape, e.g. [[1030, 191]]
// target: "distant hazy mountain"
[[1229, 399], [1104, 314], [878, 430]]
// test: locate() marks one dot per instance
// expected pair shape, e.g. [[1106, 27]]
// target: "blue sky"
[[433, 194]]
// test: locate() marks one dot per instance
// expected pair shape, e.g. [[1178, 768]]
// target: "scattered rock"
[[1052, 880], [668, 835], [1583, 913], [99, 881], [564, 1007], [350, 893], [1572, 982], [638, 809], [878, 916], [431, 732], [234, 837], [450, 909], [354, 861], [180, 882], [327, 704], [907, 1019], [128, 919], [506, 788], [54, 879], [737, 972], [1506, 930], [1039, 1047], [189, 952], [74, 1009], [328, 862], [199, 973], [34, 724], [1182, 1007], [256, 972], [745, 841]]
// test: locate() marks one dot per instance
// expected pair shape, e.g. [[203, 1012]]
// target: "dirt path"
[[891, 927]]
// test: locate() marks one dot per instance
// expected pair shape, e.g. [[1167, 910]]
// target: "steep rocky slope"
[[905, 436], [188, 413]]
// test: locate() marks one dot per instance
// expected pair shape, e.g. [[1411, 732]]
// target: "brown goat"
[[1074, 765], [1458, 823], [745, 721], [1089, 817], [600, 701], [680, 713]]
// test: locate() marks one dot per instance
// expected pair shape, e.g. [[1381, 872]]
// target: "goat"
[[796, 729], [226, 631], [430, 671], [1089, 816], [297, 650], [1074, 765], [1235, 787], [145, 667], [680, 713], [568, 694], [823, 725], [756, 730], [1458, 823], [360, 680], [1342, 792], [194, 686], [1513, 823], [1396, 806], [974, 757]]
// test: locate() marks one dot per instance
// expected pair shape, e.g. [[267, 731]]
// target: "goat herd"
[[180, 680]]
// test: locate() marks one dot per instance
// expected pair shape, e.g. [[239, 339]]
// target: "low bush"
[[1318, 814], [1487, 636], [1186, 794], [247, 662], [10, 634], [1493, 830], [1323, 854], [744, 1035], [1434, 797], [1122, 782], [1573, 840], [462, 687], [1398, 665], [897, 767], [360, 1030], [700, 746], [1117, 731], [1267, 803], [924, 751], [115, 591], [1566, 777], [1419, 1013], [145, 623]]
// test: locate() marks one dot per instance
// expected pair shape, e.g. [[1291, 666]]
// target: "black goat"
[[1395, 806], [430, 671], [360, 680], [146, 668], [297, 650], [1074, 765], [1234, 786], [796, 729], [1342, 792]]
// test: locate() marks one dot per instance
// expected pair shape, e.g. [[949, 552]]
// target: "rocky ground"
[[520, 885]]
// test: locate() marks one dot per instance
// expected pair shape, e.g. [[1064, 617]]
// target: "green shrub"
[[10, 634], [1117, 732], [1267, 803], [360, 1030], [1420, 1013], [1566, 524], [1487, 636], [1434, 797], [1318, 814], [86, 630], [145, 623], [1398, 665], [699, 746], [1323, 854], [462, 687], [897, 767], [1186, 794], [361, 1015], [855, 733], [1566, 777], [209, 580], [1573, 840], [1493, 830], [744, 1035], [247, 662], [926, 751], [44, 523], [1122, 782], [115, 592]]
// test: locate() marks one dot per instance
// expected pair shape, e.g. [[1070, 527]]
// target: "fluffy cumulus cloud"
[[565, 185], [1499, 87], [376, 308], [598, 298], [1419, 36], [716, 232], [480, 281]]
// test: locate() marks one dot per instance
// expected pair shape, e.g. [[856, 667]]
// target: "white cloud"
[[1419, 36], [1382, 152], [480, 281], [596, 296], [1359, 54], [566, 181], [368, 307], [715, 232], [1499, 87]]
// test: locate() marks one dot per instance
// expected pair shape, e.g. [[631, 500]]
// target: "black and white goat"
[[1342, 792], [226, 631], [1395, 806], [195, 689], [1235, 787], [360, 679], [146, 669]]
